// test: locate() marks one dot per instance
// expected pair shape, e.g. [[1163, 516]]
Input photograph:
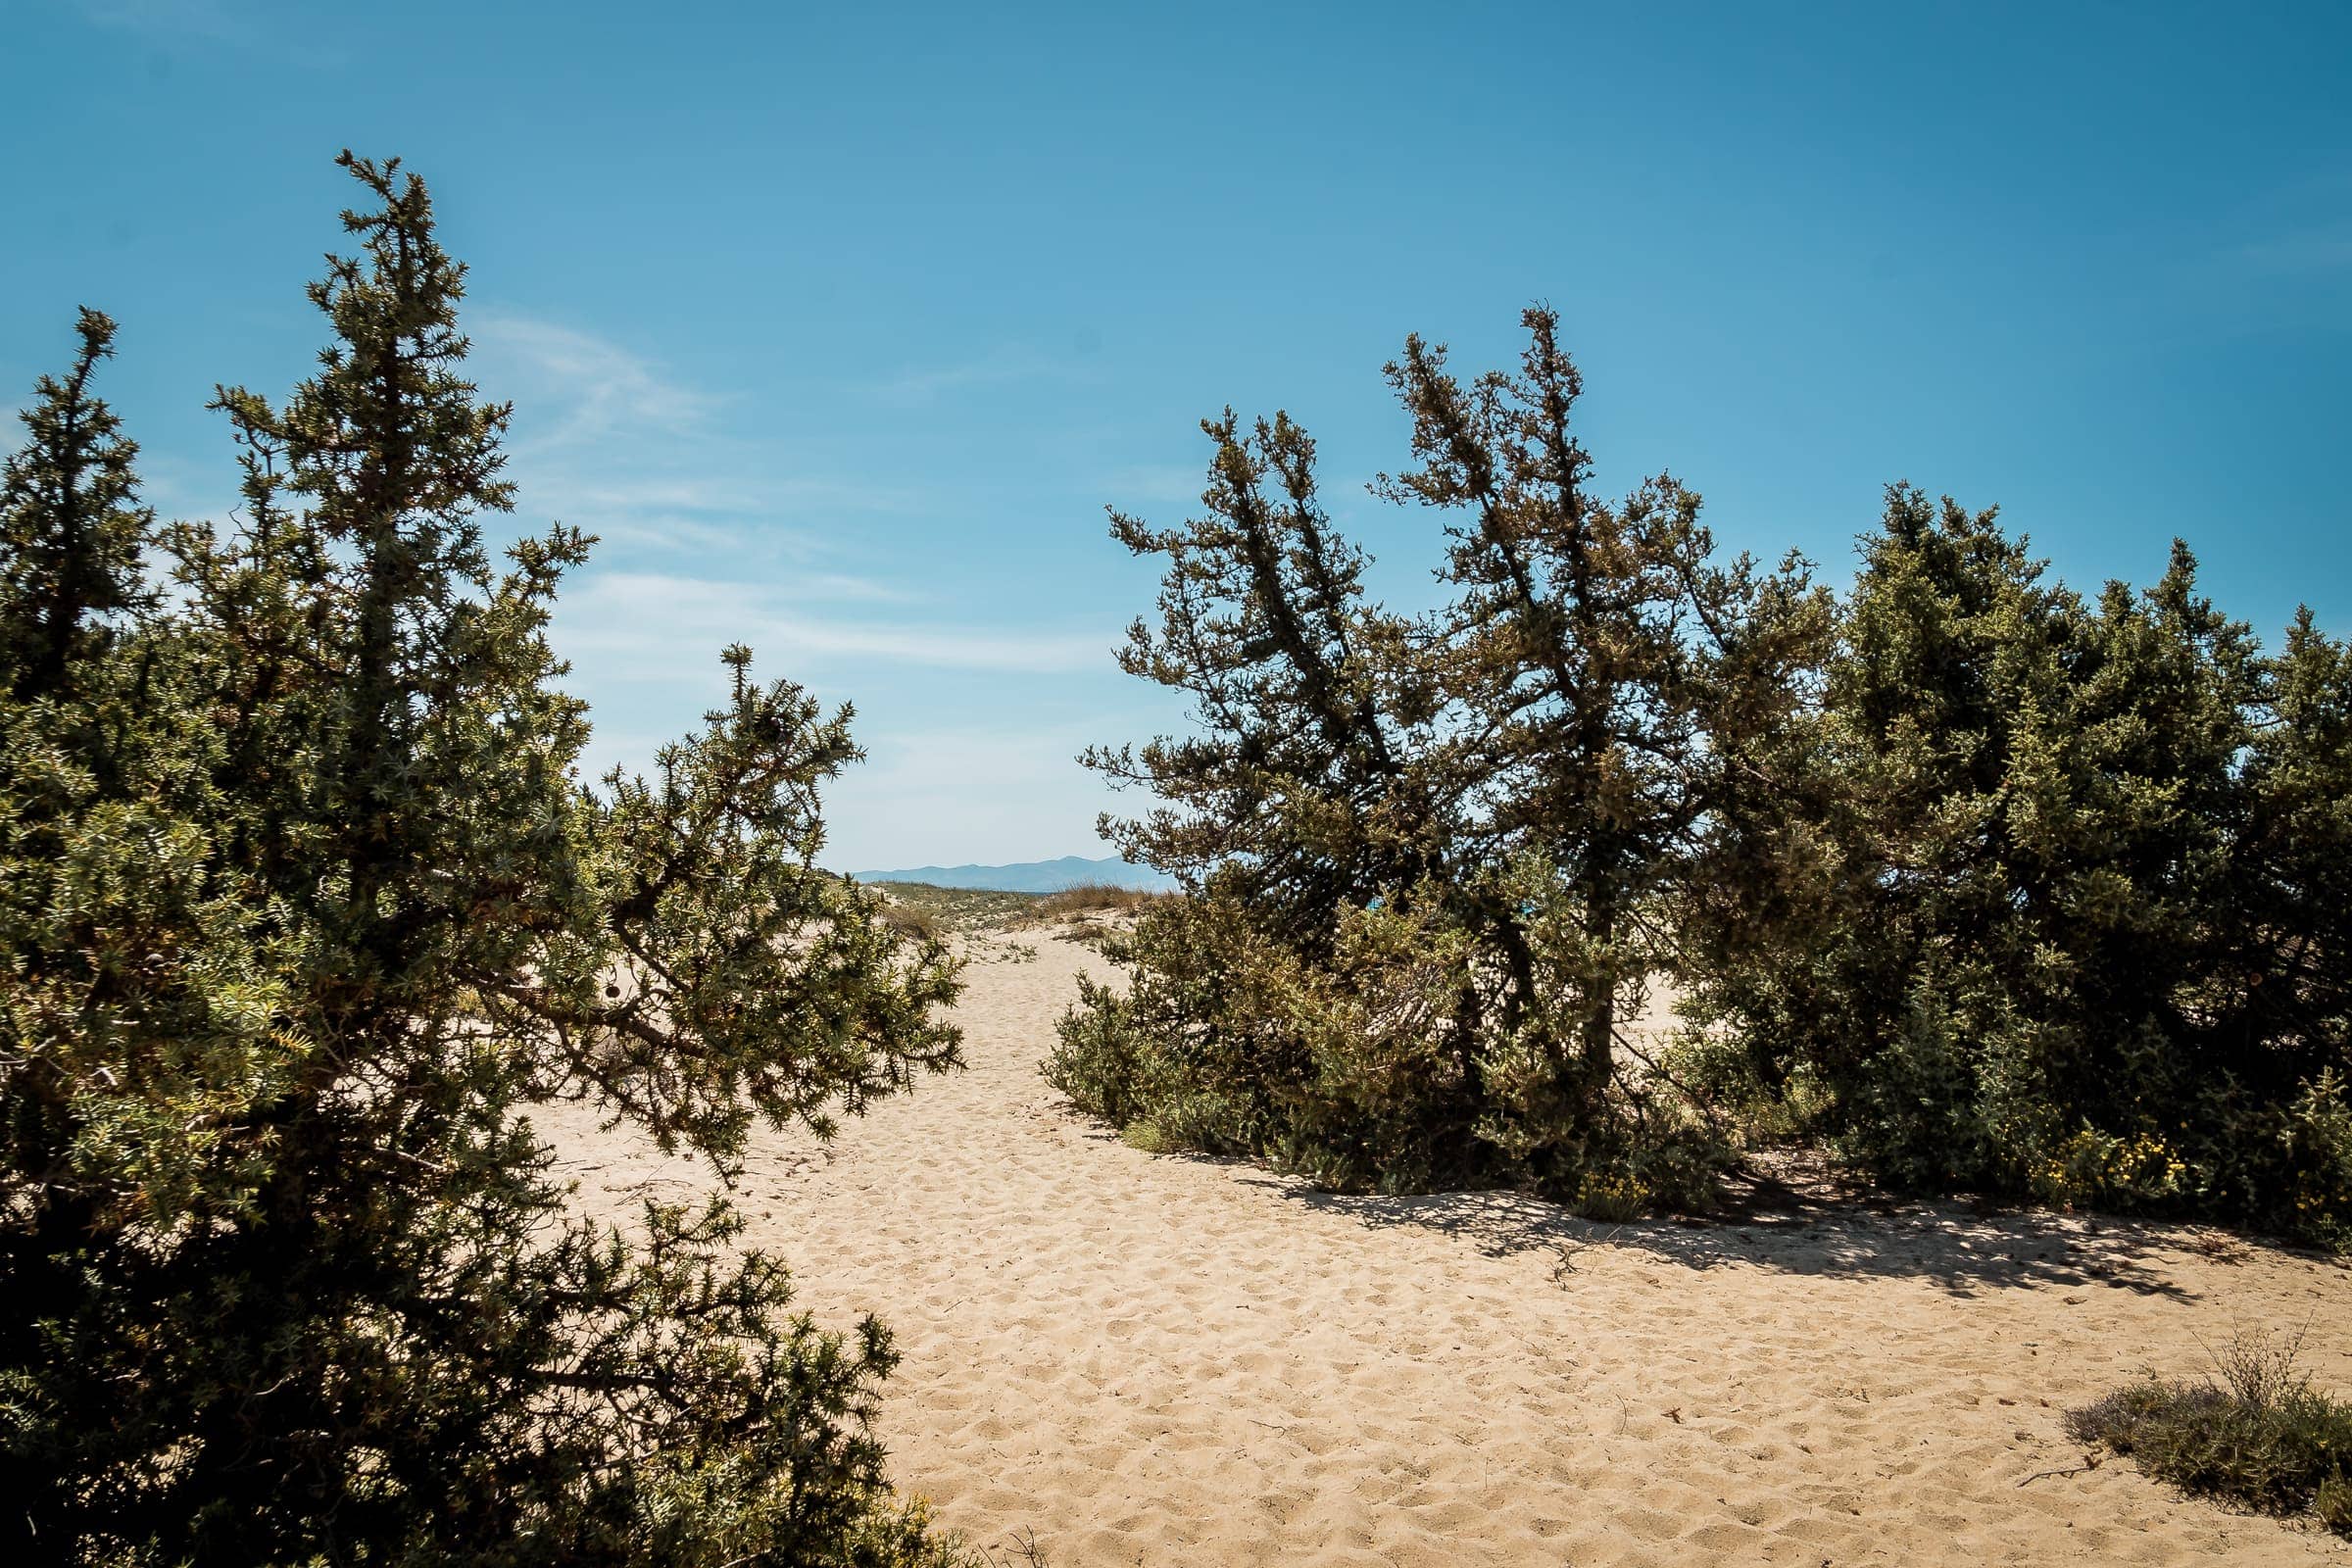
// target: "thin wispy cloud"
[[917, 388], [221, 24], [602, 390], [609, 440], [1154, 483], [2311, 252], [724, 540], [839, 586], [657, 627]]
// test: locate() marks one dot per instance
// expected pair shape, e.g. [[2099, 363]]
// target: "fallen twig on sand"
[[2091, 1461]]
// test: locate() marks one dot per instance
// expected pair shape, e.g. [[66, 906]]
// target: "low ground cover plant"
[[2254, 1432], [961, 910]]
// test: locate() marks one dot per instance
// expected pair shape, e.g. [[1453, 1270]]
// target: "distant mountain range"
[[1028, 876]]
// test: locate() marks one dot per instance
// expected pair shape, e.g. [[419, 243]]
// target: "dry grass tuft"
[[1089, 898], [2220, 1246], [1086, 912], [1020, 1551], [907, 920]]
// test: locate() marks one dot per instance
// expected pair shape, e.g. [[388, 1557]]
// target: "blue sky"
[[842, 324]]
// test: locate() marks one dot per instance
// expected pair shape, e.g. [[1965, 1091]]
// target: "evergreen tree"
[[2289, 939], [1308, 689], [1617, 685], [72, 530], [1299, 820], [2275, 1006], [2051, 936], [1993, 885], [304, 911], [1429, 863]]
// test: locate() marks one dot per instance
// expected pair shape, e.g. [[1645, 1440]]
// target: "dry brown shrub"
[[1089, 898], [912, 922]]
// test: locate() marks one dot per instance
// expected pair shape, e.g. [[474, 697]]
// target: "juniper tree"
[[2055, 935], [2283, 1009], [291, 1277], [94, 898], [71, 529], [1950, 643], [2292, 924], [1300, 792]]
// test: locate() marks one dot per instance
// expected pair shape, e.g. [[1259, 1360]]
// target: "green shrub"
[[1721, 1075], [2092, 1168], [2332, 1503], [1349, 1073], [2315, 1142], [1676, 1157], [1099, 1056], [1611, 1200], [2054, 897], [2255, 1433], [1203, 1121]]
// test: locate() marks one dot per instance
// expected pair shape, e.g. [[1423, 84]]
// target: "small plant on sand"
[[2254, 1431], [1099, 1058], [909, 921], [1611, 1200], [1018, 1552]]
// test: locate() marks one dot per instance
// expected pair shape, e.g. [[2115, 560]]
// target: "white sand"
[[1162, 1360]]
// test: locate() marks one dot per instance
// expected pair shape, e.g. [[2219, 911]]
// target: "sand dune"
[[1159, 1360]]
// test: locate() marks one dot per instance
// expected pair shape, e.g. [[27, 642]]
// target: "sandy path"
[[1160, 1360]]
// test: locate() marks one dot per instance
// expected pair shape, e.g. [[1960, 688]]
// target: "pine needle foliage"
[[1426, 859], [303, 910]]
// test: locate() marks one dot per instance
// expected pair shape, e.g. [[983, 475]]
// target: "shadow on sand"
[[1811, 1228]]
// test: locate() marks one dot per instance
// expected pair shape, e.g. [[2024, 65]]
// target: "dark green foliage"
[[1989, 885], [70, 531], [2040, 921], [2258, 1434], [302, 910], [1425, 859]]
